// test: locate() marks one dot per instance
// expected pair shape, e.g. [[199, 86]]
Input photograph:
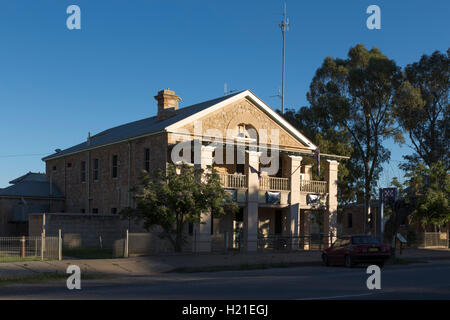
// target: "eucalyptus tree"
[[355, 96]]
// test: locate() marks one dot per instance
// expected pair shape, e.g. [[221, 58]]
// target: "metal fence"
[[285, 243], [431, 240], [29, 248], [290, 243], [134, 244]]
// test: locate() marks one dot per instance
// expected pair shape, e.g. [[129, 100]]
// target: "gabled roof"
[[259, 103], [152, 125], [33, 185], [30, 176]]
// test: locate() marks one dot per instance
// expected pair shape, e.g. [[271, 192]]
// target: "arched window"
[[246, 131]]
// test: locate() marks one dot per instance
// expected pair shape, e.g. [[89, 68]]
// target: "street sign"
[[401, 238]]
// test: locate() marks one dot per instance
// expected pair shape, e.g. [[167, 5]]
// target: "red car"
[[355, 249]]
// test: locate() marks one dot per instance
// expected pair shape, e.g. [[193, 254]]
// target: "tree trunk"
[[178, 243], [366, 208]]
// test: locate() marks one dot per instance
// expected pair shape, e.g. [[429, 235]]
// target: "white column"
[[202, 241], [330, 217], [251, 212], [295, 163]]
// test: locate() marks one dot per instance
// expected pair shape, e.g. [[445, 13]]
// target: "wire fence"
[[135, 244], [431, 240], [14, 249]]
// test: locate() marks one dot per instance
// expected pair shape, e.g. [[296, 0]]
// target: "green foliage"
[[171, 199], [422, 109], [431, 186], [351, 114], [317, 128]]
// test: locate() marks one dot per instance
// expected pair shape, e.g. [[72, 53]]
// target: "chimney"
[[167, 103]]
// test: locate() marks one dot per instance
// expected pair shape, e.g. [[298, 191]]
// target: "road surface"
[[418, 281]]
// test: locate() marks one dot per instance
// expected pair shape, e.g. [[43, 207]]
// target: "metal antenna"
[[227, 92], [284, 25], [278, 94]]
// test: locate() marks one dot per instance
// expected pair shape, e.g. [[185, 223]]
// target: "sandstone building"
[[96, 175]]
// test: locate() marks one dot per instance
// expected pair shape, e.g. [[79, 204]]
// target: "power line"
[[22, 155]]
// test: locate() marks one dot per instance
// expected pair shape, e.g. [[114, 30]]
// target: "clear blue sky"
[[57, 84]]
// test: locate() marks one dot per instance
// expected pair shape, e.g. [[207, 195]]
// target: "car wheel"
[[325, 260], [348, 262]]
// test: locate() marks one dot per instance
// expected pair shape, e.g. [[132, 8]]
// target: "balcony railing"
[[312, 186], [274, 183], [233, 181]]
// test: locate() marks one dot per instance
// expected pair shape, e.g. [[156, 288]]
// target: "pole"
[[126, 245], [195, 240], [42, 245], [380, 215], [59, 245], [282, 79], [22, 247], [284, 25]]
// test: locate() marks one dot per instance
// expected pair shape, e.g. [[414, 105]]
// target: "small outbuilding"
[[30, 193]]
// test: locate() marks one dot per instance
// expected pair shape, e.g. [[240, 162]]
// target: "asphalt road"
[[418, 281]]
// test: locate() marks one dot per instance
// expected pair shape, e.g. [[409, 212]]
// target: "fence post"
[[42, 245], [195, 240], [22, 247], [225, 244], [59, 245], [126, 245]]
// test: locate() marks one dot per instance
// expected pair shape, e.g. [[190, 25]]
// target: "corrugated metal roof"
[[30, 176], [38, 189], [138, 128]]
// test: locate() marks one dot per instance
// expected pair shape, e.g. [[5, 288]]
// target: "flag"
[[253, 170], [317, 157]]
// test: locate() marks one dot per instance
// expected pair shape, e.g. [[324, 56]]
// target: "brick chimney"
[[167, 103]]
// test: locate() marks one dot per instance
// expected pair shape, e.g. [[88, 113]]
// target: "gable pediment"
[[247, 109]]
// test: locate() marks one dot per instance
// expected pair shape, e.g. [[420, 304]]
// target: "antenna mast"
[[284, 25]]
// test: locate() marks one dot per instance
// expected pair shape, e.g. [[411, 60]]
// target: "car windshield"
[[364, 240]]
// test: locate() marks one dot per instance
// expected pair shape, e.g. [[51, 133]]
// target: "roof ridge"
[[135, 129]]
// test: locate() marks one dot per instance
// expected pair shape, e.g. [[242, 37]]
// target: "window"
[[69, 165], [147, 160], [114, 166], [364, 240], [54, 168], [337, 243], [83, 211], [345, 242], [95, 169], [94, 210], [113, 210], [191, 228], [83, 171], [349, 220]]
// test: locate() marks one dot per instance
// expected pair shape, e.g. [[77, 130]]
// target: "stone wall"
[[106, 193], [81, 230], [243, 111], [357, 219], [9, 228]]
